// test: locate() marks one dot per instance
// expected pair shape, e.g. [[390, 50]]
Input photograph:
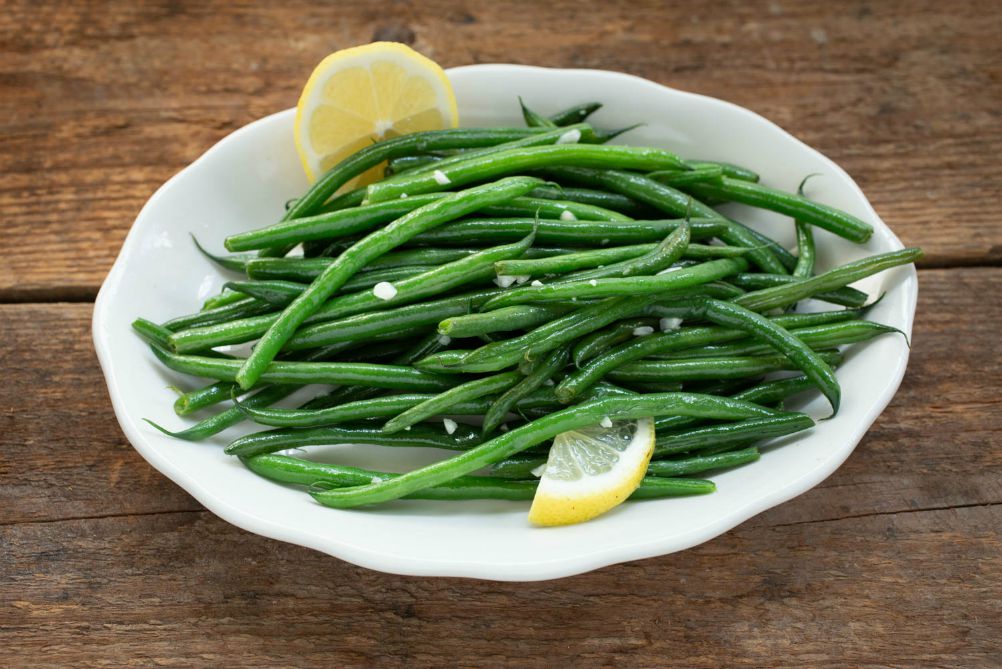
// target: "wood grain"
[[102, 102], [186, 590], [893, 561]]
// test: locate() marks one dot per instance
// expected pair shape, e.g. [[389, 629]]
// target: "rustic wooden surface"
[[894, 561]]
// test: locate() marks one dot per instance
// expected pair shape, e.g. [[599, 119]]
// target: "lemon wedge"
[[364, 94], [592, 470]]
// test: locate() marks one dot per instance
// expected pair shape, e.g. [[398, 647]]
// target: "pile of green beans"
[[527, 282]]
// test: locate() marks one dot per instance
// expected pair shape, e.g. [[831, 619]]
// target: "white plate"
[[242, 183]]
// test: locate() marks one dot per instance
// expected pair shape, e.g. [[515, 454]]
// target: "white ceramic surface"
[[242, 183]]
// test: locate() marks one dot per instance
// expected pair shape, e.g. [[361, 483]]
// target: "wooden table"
[[893, 561]]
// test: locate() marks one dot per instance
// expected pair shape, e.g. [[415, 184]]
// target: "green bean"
[[200, 398], [405, 164], [653, 487], [234, 263], [317, 414], [764, 393], [339, 223], [729, 314], [358, 256], [229, 417], [579, 132], [534, 120], [782, 296], [576, 113], [570, 262], [463, 392], [725, 448], [519, 317], [301, 373], [340, 395], [514, 161], [583, 131], [307, 269], [380, 407], [410, 163], [200, 339], [419, 256], [676, 178], [545, 370], [652, 387], [559, 209], [847, 297], [598, 198], [570, 233], [602, 136], [543, 429], [521, 466], [702, 463], [706, 252], [355, 220], [517, 467], [775, 391], [818, 337], [239, 309], [758, 428], [360, 326], [352, 198], [834, 220], [687, 277], [668, 199], [276, 293], [595, 258], [498, 355], [676, 340], [681, 369], [222, 299], [419, 436], [588, 347], [661, 257], [353, 326], [719, 386], [285, 469], [729, 169], [151, 333]]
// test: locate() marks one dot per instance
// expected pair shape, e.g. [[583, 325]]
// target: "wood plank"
[[62, 454], [100, 103], [180, 590]]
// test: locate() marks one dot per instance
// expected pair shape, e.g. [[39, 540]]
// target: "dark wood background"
[[894, 561]]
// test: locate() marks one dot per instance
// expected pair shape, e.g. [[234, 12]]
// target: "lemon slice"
[[364, 94], [592, 470]]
